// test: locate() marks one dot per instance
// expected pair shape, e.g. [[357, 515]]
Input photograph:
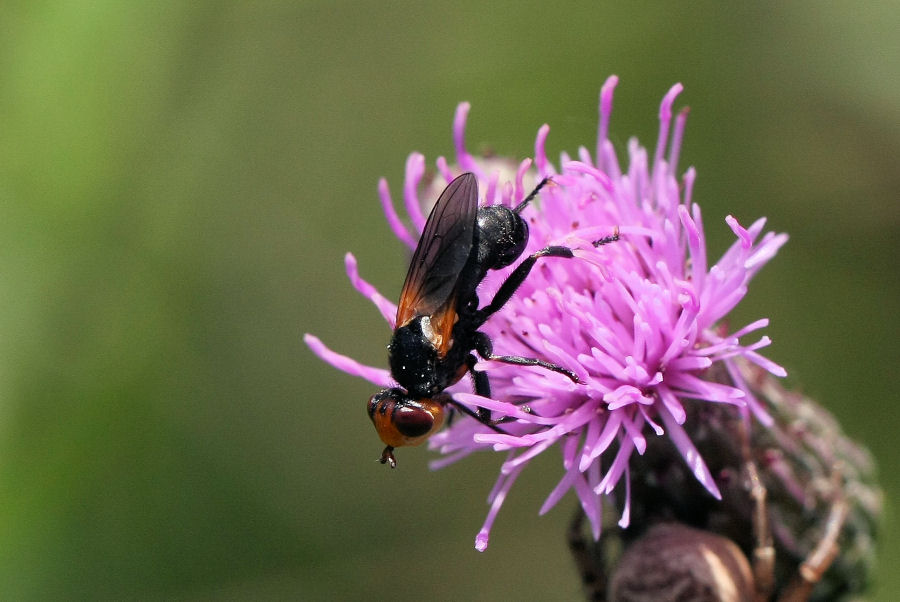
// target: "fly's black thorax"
[[416, 364]]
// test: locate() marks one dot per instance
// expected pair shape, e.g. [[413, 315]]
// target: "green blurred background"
[[179, 183]]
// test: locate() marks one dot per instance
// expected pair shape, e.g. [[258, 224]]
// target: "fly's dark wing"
[[442, 252]]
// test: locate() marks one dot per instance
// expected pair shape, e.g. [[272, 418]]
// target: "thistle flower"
[[639, 321]]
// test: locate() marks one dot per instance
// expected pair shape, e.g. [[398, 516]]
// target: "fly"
[[438, 315]]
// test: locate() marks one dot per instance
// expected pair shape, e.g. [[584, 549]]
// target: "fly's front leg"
[[518, 276]]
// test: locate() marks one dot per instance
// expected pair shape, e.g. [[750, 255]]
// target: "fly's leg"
[[518, 276], [483, 388], [481, 380], [485, 349], [483, 344]]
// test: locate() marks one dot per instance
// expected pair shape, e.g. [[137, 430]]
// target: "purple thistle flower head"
[[639, 321]]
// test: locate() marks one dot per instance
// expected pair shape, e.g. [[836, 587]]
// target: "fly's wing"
[[441, 255]]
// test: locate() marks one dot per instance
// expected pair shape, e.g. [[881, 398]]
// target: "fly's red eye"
[[413, 421], [401, 421]]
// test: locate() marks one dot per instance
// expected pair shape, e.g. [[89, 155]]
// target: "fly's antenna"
[[532, 194]]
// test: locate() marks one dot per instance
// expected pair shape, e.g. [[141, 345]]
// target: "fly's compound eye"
[[401, 420], [413, 422]]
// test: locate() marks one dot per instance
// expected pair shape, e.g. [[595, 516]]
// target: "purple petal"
[[415, 169], [697, 388], [606, 104], [765, 364], [559, 491], [690, 454], [520, 192], [625, 519], [378, 376], [618, 466], [672, 404], [463, 158], [540, 151], [387, 205], [665, 118], [387, 308], [498, 496], [607, 435], [739, 231], [677, 136], [444, 169]]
